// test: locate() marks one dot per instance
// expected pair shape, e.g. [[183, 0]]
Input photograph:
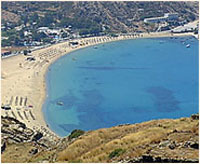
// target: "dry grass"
[[136, 140], [16, 153], [97, 145]]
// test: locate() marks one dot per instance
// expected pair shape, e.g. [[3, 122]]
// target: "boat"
[[74, 59], [60, 103], [188, 46], [95, 47]]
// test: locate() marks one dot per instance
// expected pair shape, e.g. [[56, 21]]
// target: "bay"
[[121, 82]]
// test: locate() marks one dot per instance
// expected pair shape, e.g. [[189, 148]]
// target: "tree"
[[64, 35], [25, 52], [5, 43], [84, 32], [21, 34], [75, 133], [25, 19], [116, 153], [95, 30], [38, 36], [47, 20], [34, 17]]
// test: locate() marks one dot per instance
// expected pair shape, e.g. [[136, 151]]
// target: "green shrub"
[[76, 133], [116, 153]]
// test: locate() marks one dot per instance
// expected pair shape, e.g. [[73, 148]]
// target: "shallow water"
[[122, 82]]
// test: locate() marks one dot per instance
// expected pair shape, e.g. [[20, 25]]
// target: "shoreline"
[[27, 78]]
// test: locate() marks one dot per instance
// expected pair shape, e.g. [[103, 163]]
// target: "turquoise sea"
[[120, 82]]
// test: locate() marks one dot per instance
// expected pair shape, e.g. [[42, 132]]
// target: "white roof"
[[43, 28]]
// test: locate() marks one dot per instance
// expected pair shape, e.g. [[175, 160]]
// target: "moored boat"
[[60, 103], [188, 46]]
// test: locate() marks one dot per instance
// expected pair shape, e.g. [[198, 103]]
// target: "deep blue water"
[[121, 82]]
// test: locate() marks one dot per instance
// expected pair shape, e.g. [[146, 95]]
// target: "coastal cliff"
[[167, 140]]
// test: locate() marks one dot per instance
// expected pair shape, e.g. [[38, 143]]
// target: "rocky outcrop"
[[33, 151], [15, 132], [195, 116], [37, 136], [175, 148], [3, 146], [192, 144], [151, 159]]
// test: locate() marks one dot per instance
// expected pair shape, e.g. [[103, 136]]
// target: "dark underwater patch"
[[113, 68], [91, 100], [164, 99], [69, 100]]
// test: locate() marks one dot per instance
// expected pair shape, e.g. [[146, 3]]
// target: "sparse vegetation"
[[76, 133], [115, 143], [84, 18], [116, 153], [135, 139]]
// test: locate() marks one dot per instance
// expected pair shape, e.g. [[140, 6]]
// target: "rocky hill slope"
[[22, 21], [115, 16], [167, 140]]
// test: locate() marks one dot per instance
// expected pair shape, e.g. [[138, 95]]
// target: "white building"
[[43, 29], [18, 28], [165, 18], [27, 33], [53, 31], [48, 31], [171, 16], [187, 27]]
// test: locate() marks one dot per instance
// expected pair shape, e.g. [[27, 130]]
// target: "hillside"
[[167, 140], [21, 22], [114, 16]]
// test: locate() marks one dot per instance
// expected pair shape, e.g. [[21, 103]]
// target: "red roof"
[[4, 51]]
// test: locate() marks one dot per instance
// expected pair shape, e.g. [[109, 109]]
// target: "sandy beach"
[[23, 81]]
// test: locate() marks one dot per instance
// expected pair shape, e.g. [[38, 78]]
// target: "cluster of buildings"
[[52, 35], [49, 36], [190, 27], [55, 35], [167, 17], [48, 31], [172, 22]]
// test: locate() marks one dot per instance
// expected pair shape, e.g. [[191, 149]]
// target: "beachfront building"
[[5, 52], [171, 16], [42, 29], [190, 27], [73, 43], [167, 17], [27, 33], [48, 31]]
